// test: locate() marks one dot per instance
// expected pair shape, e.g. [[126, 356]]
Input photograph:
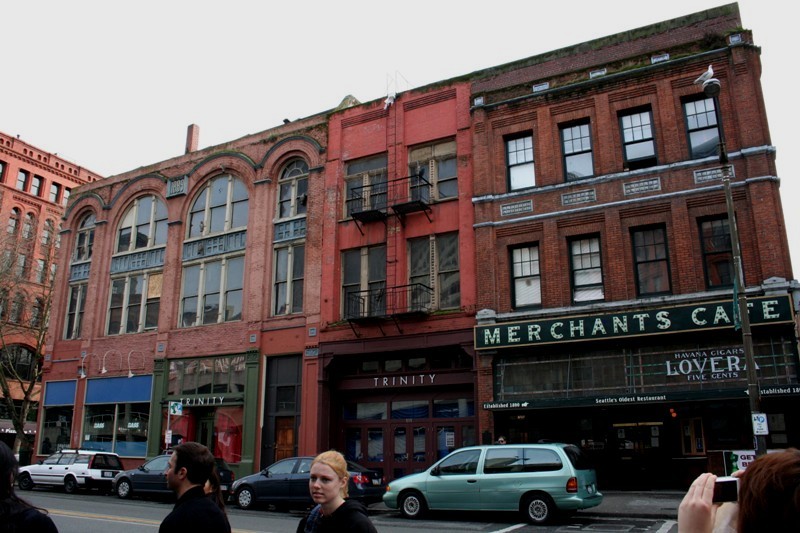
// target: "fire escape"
[[390, 203]]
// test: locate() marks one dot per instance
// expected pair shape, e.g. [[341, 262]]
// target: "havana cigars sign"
[[655, 321]]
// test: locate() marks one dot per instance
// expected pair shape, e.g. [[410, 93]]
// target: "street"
[[95, 513]]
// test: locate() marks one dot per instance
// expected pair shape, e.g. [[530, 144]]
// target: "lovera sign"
[[684, 318], [706, 365]]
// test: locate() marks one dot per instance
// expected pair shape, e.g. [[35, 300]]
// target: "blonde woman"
[[333, 512]]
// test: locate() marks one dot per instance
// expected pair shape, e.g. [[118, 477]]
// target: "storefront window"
[[365, 411], [410, 409], [228, 434], [456, 408], [375, 444], [56, 429], [353, 444], [119, 428]]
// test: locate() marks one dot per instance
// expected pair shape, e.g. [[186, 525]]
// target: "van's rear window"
[[578, 459]]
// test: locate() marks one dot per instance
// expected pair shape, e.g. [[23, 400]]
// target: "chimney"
[[192, 137]]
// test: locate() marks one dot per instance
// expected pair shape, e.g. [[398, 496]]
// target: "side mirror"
[[265, 473], [435, 471], [40, 462], [142, 468]]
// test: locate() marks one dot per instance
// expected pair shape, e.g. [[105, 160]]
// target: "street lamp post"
[[711, 88], [753, 391]]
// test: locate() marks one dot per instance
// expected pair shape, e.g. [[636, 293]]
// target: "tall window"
[[143, 226], [576, 143], [293, 189], [28, 226], [47, 232], [437, 162], [22, 180], [135, 300], [289, 274], [76, 305], [55, 188], [65, 196], [434, 263], [519, 158], [639, 146], [84, 240], [702, 127], [715, 237], [36, 185], [365, 183], [2, 171], [213, 269], [587, 271], [364, 281], [651, 260], [41, 271], [13, 221], [526, 276]]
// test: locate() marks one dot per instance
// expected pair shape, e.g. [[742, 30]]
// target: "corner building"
[[185, 283], [605, 305]]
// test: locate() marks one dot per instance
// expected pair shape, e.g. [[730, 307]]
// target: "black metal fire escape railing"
[[388, 302]]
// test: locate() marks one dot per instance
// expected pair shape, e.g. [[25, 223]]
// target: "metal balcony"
[[411, 194], [368, 203], [388, 302]]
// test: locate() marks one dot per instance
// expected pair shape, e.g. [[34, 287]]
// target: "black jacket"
[[351, 516], [196, 513], [23, 519]]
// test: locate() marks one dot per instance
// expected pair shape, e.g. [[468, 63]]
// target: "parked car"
[[539, 480], [149, 479], [285, 484], [73, 470]]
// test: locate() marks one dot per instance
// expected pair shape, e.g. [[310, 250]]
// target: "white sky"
[[112, 86]]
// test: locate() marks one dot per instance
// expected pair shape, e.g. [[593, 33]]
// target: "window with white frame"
[[28, 226], [289, 277], [55, 188], [134, 302], [47, 232], [519, 158], [576, 144], [221, 206], [526, 276], [293, 189], [366, 188], [702, 127], [436, 164], [41, 271], [364, 281], [638, 141], [212, 291], [213, 269], [76, 303], [65, 196], [434, 263], [587, 270], [144, 225], [13, 221]]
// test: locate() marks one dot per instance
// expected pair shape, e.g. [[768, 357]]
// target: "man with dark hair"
[[190, 466]]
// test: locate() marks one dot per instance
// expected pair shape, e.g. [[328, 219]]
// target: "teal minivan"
[[538, 480]]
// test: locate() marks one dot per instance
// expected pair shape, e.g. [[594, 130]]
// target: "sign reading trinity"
[[657, 321]]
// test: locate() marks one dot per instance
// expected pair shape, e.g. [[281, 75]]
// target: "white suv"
[[72, 469]]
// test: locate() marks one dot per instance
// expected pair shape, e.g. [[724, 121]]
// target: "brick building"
[[605, 311], [490, 254], [34, 188]]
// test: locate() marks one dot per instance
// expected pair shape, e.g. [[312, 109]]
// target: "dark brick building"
[[601, 225]]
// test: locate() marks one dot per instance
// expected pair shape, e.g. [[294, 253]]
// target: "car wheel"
[[25, 482], [124, 488], [538, 508], [245, 498], [412, 505], [70, 485]]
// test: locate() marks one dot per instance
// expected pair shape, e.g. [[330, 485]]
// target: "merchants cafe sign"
[[657, 321]]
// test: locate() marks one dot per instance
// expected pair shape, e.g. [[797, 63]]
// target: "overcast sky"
[[112, 86]]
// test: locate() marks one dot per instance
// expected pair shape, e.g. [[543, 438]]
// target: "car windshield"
[[578, 459]]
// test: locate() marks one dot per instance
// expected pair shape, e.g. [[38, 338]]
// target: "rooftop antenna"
[[394, 84]]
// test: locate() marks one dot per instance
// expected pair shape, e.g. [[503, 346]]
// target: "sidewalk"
[[642, 504]]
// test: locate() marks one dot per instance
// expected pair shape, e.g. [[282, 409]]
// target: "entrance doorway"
[[284, 437]]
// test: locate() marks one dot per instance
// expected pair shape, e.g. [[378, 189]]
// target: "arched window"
[[221, 206], [47, 232], [84, 240], [19, 359], [293, 189], [146, 221], [137, 267], [13, 222], [28, 226], [213, 272]]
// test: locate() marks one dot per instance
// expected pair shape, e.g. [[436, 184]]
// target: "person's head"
[[9, 468], [190, 464], [769, 493], [501, 440], [329, 477]]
